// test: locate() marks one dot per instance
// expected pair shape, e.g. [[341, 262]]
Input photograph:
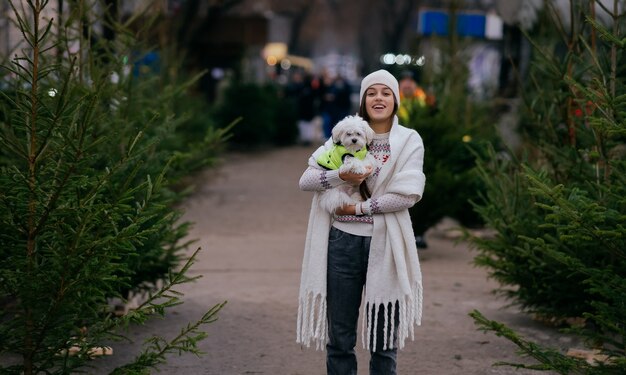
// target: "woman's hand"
[[349, 209], [355, 179]]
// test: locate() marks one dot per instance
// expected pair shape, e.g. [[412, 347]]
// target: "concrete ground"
[[250, 221]]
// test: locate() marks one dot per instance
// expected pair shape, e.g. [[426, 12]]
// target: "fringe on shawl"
[[312, 321], [409, 312]]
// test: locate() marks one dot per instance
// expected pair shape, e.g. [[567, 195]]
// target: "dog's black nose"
[[354, 140]]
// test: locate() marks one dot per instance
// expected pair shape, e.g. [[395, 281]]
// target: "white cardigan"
[[393, 276]]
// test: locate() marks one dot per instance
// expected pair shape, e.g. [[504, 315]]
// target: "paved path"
[[250, 220]]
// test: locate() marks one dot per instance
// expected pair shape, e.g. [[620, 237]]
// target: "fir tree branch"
[[157, 347], [61, 105], [549, 359]]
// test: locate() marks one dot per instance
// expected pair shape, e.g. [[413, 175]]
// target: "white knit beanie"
[[380, 77]]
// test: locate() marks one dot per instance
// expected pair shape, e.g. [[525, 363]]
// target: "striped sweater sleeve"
[[315, 179]]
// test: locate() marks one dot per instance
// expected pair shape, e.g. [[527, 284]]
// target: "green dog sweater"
[[333, 158]]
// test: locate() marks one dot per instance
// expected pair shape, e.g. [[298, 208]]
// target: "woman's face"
[[379, 103]]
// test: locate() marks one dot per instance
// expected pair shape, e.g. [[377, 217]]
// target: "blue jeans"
[[347, 269]]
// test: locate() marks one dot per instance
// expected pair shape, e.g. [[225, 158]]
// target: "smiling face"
[[379, 104]]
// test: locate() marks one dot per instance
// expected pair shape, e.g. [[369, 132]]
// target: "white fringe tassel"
[[409, 314], [311, 324]]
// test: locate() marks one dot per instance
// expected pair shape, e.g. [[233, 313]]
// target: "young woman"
[[365, 250]]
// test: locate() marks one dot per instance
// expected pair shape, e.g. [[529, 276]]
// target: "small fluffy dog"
[[351, 137]]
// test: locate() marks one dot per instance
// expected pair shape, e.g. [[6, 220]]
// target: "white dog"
[[351, 137]]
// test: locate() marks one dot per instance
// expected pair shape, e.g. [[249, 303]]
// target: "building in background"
[[263, 39]]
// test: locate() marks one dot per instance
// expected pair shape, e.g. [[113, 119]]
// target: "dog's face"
[[353, 133]]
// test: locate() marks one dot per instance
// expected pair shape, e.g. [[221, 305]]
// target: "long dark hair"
[[363, 189]]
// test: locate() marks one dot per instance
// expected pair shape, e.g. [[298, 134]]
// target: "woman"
[[368, 245]]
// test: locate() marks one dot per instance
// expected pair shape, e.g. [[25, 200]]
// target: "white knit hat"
[[380, 77]]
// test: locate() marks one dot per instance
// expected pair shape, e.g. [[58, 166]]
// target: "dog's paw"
[[355, 165], [332, 199], [359, 169]]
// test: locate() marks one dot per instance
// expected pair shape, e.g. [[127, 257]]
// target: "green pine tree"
[[86, 207], [559, 210]]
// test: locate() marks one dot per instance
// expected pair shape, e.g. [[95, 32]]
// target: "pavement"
[[250, 221]]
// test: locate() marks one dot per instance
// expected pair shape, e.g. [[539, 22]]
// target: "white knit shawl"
[[394, 278]]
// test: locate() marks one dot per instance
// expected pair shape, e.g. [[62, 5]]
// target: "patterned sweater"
[[314, 179]]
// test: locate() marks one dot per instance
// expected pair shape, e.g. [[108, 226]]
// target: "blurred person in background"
[[414, 102], [301, 90], [327, 98], [412, 98], [335, 101], [339, 106]]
